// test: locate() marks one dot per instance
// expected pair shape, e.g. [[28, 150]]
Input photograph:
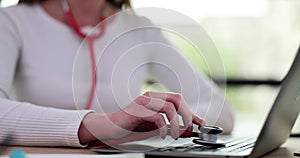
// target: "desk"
[[286, 150]]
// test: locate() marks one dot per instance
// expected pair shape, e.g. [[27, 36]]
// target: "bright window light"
[[197, 9], [6, 3]]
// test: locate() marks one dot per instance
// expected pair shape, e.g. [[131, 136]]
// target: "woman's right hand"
[[144, 110]]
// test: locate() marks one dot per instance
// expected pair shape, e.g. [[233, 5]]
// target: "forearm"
[[39, 126]]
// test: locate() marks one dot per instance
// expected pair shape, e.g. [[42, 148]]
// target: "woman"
[[45, 84]]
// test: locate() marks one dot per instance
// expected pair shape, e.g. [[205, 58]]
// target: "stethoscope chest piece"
[[212, 144], [209, 137]]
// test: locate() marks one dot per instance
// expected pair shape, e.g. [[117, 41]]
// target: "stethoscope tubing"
[[90, 41]]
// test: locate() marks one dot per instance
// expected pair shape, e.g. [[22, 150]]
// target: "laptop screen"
[[283, 113]]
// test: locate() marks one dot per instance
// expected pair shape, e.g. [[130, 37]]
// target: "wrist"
[[84, 134], [124, 120], [110, 126], [99, 127]]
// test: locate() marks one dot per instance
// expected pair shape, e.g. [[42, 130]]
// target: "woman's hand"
[[145, 110]]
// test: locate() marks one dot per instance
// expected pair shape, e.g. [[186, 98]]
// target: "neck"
[[86, 13]]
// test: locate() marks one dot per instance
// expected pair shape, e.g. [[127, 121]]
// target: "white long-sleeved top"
[[45, 75]]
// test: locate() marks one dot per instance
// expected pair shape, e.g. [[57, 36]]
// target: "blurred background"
[[257, 41]]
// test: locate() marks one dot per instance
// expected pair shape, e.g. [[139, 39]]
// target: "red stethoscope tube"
[[90, 41]]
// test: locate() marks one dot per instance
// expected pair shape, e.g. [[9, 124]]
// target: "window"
[[257, 40], [6, 3]]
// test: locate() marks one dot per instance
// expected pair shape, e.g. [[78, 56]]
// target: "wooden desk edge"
[[286, 150]]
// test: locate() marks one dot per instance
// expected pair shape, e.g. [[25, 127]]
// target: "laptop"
[[274, 133]]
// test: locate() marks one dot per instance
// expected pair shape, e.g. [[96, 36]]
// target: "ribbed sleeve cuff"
[[73, 127], [41, 126]]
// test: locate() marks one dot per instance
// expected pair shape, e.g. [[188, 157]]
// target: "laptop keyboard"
[[238, 145], [232, 145]]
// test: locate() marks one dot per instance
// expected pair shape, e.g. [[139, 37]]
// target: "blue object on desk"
[[17, 154]]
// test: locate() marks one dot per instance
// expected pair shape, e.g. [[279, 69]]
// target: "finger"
[[160, 122], [142, 100], [147, 110], [179, 103], [198, 121], [137, 108], [169, 109]]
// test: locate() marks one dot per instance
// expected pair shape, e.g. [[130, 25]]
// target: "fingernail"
[[177, 134], [162, 134], [174, 134]]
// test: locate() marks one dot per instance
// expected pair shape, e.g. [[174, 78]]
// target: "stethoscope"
[[208, 136], [90, 41]]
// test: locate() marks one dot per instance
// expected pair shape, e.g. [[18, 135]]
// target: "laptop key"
[[175, 148], [236, 146], [168, 148], [244, 148]]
